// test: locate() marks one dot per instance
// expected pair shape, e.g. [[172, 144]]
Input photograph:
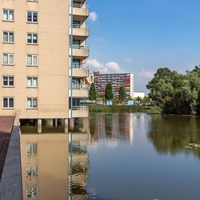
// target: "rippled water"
[[115, 157]]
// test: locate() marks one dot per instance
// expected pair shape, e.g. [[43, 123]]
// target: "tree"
[[92, 92], [108, 92], [122, 94]]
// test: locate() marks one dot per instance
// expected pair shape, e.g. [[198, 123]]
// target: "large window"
[[8, 15], [8, 102], [32, 192], [31, 149], [31, 170], [32, 81], [8, 59], [32, 38], [8, 81], [8, 37], [32, 60], [32, 17], [31, 102]]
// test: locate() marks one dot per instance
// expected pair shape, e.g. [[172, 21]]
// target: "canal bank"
[[11, 179]]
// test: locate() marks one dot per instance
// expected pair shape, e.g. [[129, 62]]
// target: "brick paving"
[[6, 125]]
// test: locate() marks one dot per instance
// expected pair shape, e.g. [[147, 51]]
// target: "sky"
[[140, 36]]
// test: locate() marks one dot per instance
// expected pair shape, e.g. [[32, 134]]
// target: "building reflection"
[[46, 166], [113, 126]]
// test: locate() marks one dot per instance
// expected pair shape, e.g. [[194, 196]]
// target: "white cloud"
[[147, 74], [113, 66], [109, 67], [93, 16]]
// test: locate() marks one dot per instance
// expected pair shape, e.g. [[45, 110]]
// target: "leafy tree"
[[92, 92], [174, 92], [146, 99], [122, 94], [138, 99], [108, 92]]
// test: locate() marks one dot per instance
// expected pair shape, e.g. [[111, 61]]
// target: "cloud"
[[109, 67], [93, 16], [129, 60], [113, 66], [147, 74]]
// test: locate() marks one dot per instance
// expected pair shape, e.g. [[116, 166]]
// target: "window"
[[76, 63], [32, 60], [32, 38], [31, 102], [32, 81], [8, 59], [8, 15], [76, 44], [8, 37], [8, 81], [8, 102], [32, 192], [31, 149], [32, 17], [31, 170]]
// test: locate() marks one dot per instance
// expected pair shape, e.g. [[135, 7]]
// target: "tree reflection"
[[170, 134]]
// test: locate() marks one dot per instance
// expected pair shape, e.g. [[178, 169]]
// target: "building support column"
[[39, 125], [66, 126], [72, 123]]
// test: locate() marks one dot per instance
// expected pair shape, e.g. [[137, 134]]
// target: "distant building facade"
[[117, 80]]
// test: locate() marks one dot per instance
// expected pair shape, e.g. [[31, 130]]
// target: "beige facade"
[[37, 57]]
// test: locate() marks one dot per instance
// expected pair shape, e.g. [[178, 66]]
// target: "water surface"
[[114, 157]]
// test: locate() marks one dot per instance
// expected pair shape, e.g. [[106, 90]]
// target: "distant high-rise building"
[[42, 51], [117, 80]]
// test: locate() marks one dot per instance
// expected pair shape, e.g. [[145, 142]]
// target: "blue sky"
[[139, 36]]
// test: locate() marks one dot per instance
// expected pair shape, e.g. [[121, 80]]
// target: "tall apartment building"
[[123, 79], [42, 50]]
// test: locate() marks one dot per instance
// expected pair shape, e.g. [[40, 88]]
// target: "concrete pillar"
[[66, 126], [39, 125], [72, 123], [56, 122]]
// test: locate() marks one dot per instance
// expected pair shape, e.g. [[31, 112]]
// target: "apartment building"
[[117, 80], [42, 52]]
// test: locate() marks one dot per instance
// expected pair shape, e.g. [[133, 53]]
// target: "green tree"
[[108, 92], [92, 92], [122, 94]]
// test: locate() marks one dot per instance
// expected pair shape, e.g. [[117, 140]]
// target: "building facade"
[[42, 51], [117, 80]]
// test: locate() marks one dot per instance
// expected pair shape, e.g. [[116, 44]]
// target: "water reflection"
[[111, 126], [48, 172], [170, 134]]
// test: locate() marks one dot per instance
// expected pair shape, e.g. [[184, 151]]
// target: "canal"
[[114, 157]]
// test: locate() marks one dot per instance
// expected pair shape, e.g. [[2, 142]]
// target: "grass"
[[123, 108]]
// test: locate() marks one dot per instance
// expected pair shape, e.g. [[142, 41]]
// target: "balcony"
[[80, 33], [81, 53], [80, 92], [80, 72], [80, 12], [80, 111]]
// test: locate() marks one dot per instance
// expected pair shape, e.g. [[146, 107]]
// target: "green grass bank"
[[124, 108]]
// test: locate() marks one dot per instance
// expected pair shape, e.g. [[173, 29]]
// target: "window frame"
[[8, 81], [8, 41], [8, 15], [32, 40], [32, 81], [8, 106], [32, 17], [31, 106], [32, 59], [8, 59]]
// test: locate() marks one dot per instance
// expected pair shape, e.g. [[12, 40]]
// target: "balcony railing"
[[79, 5], [80, 87], [79, 107]]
